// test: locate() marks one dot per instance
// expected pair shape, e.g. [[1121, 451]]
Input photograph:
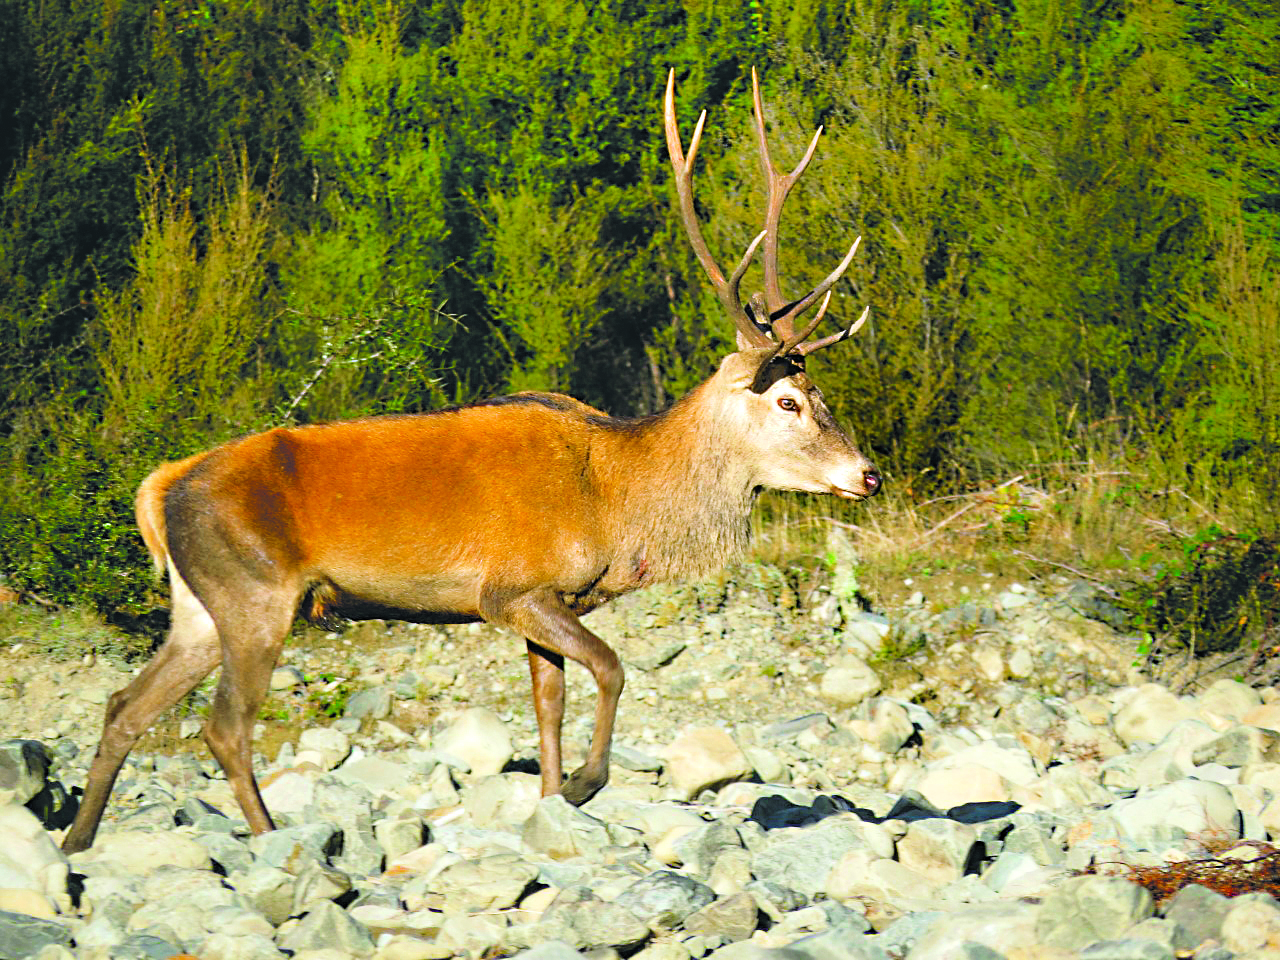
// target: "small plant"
[[328, 694], [1221, 593], [898, 645]]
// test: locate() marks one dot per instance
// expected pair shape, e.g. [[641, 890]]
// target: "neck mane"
[[680, 493]]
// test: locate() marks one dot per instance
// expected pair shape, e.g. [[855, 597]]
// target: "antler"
[[781, 315], [727, 290]]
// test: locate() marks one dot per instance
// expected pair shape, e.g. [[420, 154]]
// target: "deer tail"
[[149, 507]]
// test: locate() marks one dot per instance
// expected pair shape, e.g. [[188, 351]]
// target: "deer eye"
[[789, 404]]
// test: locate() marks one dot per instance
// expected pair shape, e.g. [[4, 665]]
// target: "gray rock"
[[594, 923], [224, 946], [316, 882], [144, 946], [1084, 910], [802, 857], [701, 847], [1164, 815], [1229, 698], [286, 678], [837, 942], [239, 921], [494, 882], [180, 905], [1252, 925], [702, 758], [372, 704], [502, 799], [398, 835], [269, 890], [663, 899], [1036, 840], [938, 849], [479, 739], [561, 831], [900, 936], [1198, 913], [789, 729], [633, 758], [1129, 948], [883, 723], [327, 925], [848, 682], [1239, 746], [347, 806], [1007, 928], [472, 935], [23, 936], [144, 853], [1148, 714], [332, 746], [24, 766], [28, 858], [290, 848], [735, 917], [379, 776], [551, 950], [100, 933], [228, 852], [774, 899]]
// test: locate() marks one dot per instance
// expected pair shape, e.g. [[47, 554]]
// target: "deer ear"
[[738, 370], [744, 344]]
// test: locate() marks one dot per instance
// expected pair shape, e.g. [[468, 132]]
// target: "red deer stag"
[[526, 511]]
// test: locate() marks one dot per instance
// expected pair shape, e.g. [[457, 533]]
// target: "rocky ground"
[[794, 777]]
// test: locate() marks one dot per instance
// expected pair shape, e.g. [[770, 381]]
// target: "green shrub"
[[1223, 593]]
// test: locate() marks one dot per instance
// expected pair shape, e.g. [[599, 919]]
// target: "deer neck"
[[682, 491]]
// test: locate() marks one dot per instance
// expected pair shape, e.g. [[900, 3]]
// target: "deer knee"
[[611, 676]]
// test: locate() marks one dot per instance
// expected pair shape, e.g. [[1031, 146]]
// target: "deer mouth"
[[844, 494]]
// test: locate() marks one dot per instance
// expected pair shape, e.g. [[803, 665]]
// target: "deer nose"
[[871, 480]]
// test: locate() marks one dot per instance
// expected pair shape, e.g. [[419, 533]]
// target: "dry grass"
[[1105, 523]]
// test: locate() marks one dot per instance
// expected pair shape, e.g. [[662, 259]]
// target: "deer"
[[524, 512]]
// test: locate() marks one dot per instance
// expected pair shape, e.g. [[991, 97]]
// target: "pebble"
[[479, 739]]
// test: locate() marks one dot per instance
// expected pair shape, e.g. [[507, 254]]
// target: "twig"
[[1195, 503], [1102, 584], [331, 358], [980, 493], [928, 534], [843, 525]]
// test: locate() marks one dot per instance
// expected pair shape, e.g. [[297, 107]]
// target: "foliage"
[[190, 316], [1223, 594], [217, 215], [375, 243], [547, 283]]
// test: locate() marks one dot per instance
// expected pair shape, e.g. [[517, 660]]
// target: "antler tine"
[[779, 185], [804, 349], [785, 319], [682, 168]]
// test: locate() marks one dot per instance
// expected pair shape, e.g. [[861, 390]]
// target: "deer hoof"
[[582, 785]]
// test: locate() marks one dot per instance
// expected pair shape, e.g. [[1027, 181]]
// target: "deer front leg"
[[551, 627]]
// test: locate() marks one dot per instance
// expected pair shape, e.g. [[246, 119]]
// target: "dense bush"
[[219, 215]]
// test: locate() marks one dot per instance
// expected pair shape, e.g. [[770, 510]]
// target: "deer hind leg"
[[187, 656], [253, 634], [547, 671], [551, 627]]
